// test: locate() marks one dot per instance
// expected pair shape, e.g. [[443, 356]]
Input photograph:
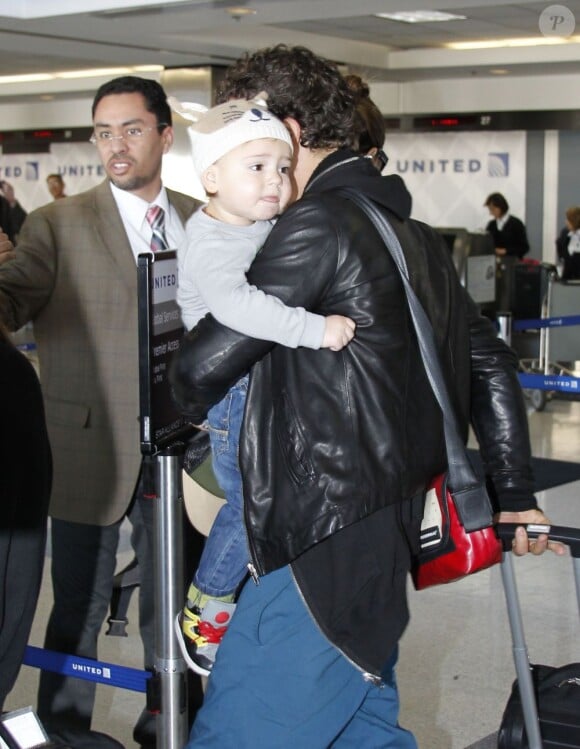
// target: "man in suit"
[[73, 273]]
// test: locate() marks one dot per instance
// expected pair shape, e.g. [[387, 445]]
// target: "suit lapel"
[[109, 227], [183, 204]]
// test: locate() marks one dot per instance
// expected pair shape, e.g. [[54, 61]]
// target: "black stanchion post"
[[163, 432]]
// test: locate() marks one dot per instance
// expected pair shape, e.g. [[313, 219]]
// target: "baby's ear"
[[209, 180]]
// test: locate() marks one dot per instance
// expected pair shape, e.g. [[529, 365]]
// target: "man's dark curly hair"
[[300, 85]]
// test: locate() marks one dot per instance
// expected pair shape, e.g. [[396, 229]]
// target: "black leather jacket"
[[330, 438]]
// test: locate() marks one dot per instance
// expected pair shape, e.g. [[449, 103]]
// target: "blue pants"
[[277, 682], [225, 556]]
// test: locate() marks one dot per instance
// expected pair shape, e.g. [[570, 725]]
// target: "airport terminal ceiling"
[[43, 39]]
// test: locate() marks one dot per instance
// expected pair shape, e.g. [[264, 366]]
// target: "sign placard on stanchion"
[[160, 332]]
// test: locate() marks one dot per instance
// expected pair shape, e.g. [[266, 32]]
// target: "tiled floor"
[[456, 667]]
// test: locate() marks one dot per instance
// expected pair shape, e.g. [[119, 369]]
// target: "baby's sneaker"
[[199, 633]]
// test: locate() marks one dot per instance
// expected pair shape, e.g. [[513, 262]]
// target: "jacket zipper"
[[253, 573], [252, 565], [366, 675]]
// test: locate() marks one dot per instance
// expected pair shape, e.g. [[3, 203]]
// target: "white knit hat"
[[217, 131]]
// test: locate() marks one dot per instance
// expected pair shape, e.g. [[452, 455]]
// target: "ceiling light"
[[238, 13], [72, 74], [99, 72], [523, 42], [420, 16], [28, 78], [94, 73], [499, 71]]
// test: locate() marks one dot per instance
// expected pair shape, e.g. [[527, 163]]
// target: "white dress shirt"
[[574, 243], [133, 211], [502, 221]]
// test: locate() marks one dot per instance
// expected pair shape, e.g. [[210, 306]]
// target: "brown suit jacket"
[[75, 276]]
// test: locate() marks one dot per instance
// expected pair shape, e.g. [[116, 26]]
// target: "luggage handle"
[[565, 535]]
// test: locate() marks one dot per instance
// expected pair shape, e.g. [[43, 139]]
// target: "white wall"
[[478, 94]]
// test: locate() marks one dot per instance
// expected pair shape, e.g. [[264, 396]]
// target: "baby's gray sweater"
[[212, 278]]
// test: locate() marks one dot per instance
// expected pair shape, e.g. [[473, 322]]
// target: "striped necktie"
[[156, 218]]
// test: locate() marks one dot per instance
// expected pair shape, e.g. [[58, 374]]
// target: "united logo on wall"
[[450, 175], [77, 163]]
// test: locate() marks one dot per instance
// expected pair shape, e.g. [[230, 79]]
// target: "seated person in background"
[[25, 483], [242, 155], [568, 245], [508, 232]]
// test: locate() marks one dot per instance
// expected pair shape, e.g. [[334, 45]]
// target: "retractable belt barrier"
[[560, 383], [87, 669], [546, 322]]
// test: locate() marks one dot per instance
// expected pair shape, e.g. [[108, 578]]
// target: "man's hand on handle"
[[522, 544]]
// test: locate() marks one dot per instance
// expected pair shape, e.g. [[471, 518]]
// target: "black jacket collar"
[[344, 168]]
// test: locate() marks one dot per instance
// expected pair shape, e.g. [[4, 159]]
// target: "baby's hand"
[[338, 331]]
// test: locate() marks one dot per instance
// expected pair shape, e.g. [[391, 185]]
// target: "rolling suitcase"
[[543, 710]]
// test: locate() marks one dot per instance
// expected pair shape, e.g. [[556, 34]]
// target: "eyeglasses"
[[130, 134]]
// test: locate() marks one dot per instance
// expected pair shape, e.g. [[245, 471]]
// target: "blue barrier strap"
[[546, 322], [563, 383], [85, 668]]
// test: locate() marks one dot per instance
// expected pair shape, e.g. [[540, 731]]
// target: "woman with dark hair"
[[568, 245], [370, 125], [25, 483], [508, 232]]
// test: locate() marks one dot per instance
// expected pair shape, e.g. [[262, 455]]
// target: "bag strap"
[[469, 492]]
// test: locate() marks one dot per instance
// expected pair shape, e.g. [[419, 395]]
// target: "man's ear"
[[295, 131], [167, 136], [209, 180]]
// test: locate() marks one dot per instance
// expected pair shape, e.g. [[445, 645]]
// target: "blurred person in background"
[[508, 232], [12, 214], [56, 187], [568, 245]]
